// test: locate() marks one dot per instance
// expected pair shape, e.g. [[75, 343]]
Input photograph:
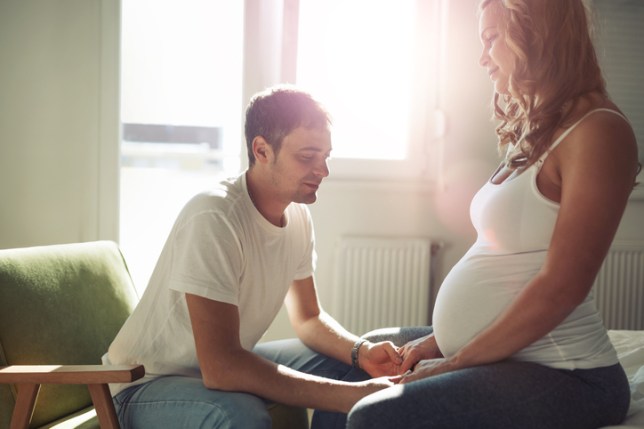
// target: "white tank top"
[[514, 224]]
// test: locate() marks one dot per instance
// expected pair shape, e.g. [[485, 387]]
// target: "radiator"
[[619, 287], [381, 282]]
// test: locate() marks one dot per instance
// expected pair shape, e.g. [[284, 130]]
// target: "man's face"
[[301, 164]]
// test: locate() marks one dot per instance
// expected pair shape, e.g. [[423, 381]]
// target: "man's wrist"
[[355, 352]]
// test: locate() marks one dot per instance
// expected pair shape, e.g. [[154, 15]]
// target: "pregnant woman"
[[517, 341]]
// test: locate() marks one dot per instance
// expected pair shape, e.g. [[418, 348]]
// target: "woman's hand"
[[417, 350], [379, 359], [427, 368]]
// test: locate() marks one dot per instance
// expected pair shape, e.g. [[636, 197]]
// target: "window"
[[374, 64], [181, 84], [181, 67]]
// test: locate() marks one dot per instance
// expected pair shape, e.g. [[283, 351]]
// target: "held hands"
[[422, 358], [417, 350], [417, 359], [384, 358]]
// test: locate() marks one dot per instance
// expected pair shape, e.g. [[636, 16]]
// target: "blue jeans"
[[502, 395], [176, 402]]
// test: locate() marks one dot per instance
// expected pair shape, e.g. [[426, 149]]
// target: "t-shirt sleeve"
[[207, 259], [306, 267]]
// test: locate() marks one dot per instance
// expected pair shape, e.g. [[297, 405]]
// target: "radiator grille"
[[382, 282], [619, 287]]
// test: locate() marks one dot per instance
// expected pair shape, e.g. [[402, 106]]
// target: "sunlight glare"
[[357, 58]]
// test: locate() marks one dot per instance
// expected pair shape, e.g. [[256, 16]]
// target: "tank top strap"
[[571, 128]]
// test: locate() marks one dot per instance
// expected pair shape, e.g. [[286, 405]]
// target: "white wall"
[[58, 121]]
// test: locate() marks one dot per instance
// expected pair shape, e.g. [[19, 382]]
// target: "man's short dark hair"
[[277, 111]]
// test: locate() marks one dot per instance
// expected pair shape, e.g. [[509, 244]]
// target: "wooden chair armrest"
[[28, 378], [70, 374]]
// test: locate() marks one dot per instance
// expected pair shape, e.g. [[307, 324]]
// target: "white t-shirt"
[[221, 248], [514, 224]]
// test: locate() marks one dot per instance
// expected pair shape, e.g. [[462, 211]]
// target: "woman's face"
[[496, 56]]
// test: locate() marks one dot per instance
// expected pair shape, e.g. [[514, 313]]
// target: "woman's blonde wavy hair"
[[556, 65]]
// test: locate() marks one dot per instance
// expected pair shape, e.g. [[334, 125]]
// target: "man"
[[233, 256]]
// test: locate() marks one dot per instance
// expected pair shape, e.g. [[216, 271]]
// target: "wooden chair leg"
[[104, 406], [25, 403]]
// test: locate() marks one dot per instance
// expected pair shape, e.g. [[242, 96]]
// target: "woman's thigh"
[[184, 402], [502, 395]]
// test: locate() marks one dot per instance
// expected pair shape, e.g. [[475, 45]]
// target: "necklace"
[[514, 157]]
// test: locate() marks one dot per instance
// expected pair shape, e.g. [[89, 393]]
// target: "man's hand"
[[379, 359]]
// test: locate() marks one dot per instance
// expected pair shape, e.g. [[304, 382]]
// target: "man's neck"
[[264, 201]]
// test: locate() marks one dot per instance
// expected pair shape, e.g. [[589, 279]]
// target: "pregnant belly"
[[476, 291]]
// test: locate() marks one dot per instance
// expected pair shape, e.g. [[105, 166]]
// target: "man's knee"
[[177, 402]]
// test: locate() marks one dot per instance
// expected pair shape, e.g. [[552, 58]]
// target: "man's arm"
[[226, 365], [319, 331]]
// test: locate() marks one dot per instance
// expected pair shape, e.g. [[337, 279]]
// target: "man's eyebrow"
[[314, 149]]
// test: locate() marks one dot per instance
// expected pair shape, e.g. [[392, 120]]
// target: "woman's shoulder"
[[599, 139], [595, 111], [596, 138], [604, 126], [597, 122]]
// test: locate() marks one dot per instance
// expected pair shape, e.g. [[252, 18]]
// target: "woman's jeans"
[[502, 395]]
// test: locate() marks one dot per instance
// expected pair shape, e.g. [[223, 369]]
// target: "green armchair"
[[60, 308]]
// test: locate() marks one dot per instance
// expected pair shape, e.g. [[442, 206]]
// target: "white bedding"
[[630, 350]]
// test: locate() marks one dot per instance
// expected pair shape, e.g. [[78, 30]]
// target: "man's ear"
[[262, 150]]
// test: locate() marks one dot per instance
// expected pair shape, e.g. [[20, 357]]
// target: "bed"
[[630, 349]]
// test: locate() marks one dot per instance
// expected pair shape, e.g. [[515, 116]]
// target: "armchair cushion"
[[60, 305]]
